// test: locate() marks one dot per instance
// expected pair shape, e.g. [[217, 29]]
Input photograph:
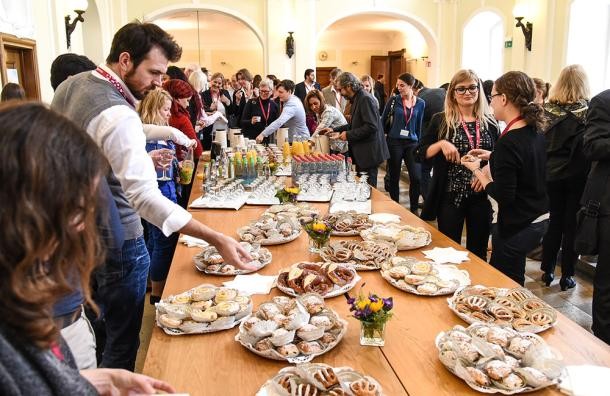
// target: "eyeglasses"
[[494, 95], [462, 90], [264, 91]]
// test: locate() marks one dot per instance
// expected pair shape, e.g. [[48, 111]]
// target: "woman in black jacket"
[[453, 199], [566, 170], [259, 112], [517, 174]]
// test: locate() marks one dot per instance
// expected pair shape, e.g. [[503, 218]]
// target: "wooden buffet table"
[[215, 364]]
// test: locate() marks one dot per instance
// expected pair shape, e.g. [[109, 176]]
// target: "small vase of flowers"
[[319, 234], [373, 312], [287, 194]]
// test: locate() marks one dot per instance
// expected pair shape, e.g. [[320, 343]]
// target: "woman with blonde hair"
[[465, 124], [155, 109], [516, 177], [566, 170], [215, 99], [369, 86]]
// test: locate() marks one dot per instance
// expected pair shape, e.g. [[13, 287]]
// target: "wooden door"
[[381, 65], [18, 59], [323, 75], [398, 65]]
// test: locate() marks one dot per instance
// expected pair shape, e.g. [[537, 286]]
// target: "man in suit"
[[364, 133], [310, 83], [331, 94], [596, 146]]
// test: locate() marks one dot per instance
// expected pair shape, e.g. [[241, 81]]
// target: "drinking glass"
[[166, 156]]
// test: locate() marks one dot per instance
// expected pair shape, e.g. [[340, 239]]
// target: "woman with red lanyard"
[[465, 124], [516, 176], [404, 113], [259, 112]]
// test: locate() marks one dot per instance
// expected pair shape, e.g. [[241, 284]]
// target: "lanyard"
[[116, 84], [477, 127], [404, 108], [510, 124], [338, 99], [266, 116]]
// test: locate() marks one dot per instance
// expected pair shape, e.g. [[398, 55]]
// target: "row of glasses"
[[267, 189]]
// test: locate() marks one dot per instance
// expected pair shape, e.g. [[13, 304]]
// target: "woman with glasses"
[[215, 99], [404, 113], [465, 124], [516, 176], [259, 112]]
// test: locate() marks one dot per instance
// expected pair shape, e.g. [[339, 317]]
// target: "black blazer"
[[301, 92], [365, 133], [596, 145], [253, 108], [441, 166], [206, 98]]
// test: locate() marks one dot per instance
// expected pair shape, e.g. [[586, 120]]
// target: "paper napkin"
[[252, 284], [446, 255]]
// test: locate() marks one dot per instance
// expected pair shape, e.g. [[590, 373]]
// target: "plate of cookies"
[[347, 223], [360, 255], [203, 309], [496, 359], [518, 308], [326, 279], [404, 236], [321, 380], [292, 329], [211, 262], [423, 278]]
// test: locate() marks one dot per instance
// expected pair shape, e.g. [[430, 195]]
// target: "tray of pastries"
[[360, 255], [405, 237], [211, 262], [302, 211], [292, 329], [422, 277], [320, 379], [271, 230], [326, 279], [202, 309], [347, 223], [496, 359], [518, 308]]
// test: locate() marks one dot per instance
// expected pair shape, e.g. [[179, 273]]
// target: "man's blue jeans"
[[121, 289]]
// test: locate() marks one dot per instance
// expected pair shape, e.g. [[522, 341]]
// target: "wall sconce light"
[[79, 6], [290, 45], [223, 63], [518, 12]]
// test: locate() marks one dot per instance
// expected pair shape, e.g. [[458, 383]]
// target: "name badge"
[[404, 132]]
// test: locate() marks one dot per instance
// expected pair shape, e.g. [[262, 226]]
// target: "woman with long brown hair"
[[49, 248], [517, 174], [465, 124]]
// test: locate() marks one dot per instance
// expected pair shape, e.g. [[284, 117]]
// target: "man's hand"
[[324, 131], [260, 138], [233, 253]]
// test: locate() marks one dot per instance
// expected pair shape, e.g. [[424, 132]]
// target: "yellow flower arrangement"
[[287, 194]]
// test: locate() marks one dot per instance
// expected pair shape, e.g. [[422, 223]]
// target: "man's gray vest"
[[81, 98]]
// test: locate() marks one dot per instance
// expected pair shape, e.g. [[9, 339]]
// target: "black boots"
[[547, 278], [567, 283]]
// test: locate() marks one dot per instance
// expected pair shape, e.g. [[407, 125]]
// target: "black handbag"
[[390, 120]]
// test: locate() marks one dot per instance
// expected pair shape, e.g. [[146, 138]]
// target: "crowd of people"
[[88, 219]]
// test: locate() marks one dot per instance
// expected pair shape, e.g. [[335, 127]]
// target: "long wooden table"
[[215, 364]]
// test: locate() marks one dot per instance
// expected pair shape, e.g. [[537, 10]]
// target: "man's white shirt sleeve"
[[118, 132]]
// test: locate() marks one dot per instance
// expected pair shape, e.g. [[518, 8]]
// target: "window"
[[589, 41], [483, 45]]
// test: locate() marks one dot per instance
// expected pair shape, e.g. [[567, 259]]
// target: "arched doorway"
[[212, 38], [351, 41]]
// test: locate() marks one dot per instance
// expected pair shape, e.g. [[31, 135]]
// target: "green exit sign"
[[508, 44]]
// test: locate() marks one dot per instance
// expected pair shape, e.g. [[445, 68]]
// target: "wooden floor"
[[574, 303]]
